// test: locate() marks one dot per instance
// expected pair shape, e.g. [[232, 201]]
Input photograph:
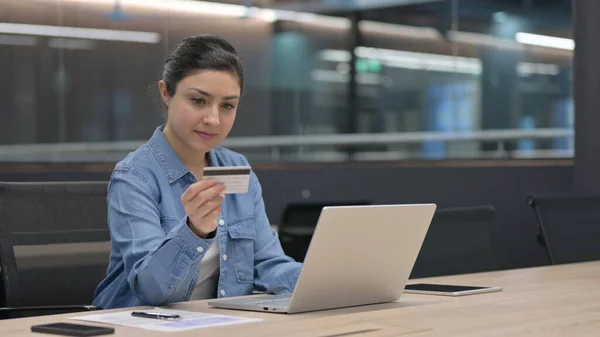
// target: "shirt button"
[[199, 249], [225, 257], [221, 222], [222, 292]]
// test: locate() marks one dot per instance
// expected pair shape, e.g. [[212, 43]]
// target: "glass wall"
[[431, 80]]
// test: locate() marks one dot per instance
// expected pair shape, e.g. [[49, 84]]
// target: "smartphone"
[[68, 329], [447, 289]]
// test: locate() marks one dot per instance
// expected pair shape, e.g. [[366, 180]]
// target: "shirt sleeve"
[[160, 266]]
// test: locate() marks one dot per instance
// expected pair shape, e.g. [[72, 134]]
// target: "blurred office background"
[[457, 102], [416, 79]]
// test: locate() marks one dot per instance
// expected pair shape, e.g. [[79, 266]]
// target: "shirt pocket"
[[242, 234]]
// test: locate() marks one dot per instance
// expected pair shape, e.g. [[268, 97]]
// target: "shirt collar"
[[167, 157]]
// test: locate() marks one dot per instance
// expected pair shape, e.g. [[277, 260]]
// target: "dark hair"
[[197, 53]]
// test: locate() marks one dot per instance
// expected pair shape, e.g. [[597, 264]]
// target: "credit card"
[[235, 178]]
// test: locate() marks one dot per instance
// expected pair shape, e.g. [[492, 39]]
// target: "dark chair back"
[[459, 241], [298, 224], [54, 242], [569, 225]]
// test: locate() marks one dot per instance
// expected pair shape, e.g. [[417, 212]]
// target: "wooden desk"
[[547, 301]]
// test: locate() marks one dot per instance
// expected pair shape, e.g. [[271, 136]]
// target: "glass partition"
[[422, 80]]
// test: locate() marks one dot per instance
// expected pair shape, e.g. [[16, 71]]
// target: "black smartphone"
[[447, 289], [68, 329]]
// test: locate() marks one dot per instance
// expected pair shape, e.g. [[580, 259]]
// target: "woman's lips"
[[205, 135]]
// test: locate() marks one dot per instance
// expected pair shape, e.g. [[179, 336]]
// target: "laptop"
[[358, 255]]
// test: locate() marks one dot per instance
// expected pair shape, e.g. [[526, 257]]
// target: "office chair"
[[54, 246], [459, 241], [569, 226], [298, 223]]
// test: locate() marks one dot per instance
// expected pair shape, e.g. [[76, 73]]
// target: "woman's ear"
[[164, 93]]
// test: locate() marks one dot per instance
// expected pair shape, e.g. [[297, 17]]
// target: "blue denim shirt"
[[155, 257]]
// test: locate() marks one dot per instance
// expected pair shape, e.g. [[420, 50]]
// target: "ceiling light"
[[545, 41], [80, 33]]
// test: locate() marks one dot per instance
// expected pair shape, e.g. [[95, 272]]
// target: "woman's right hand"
[[202, 204]]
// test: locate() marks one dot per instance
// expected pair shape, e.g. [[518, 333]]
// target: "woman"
[[174, 236]]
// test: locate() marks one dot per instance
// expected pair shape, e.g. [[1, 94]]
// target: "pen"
[[156, 315]]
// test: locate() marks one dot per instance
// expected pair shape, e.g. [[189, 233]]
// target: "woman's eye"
[[198, 101], [228, 106]]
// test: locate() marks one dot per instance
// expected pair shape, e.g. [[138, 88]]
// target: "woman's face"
[[202, 110]]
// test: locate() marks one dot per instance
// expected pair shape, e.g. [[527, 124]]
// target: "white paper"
[[189, 320]]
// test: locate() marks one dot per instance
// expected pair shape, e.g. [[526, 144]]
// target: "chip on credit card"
[[235, 178]]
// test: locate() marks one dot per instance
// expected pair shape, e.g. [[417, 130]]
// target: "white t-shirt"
[[206, 286]]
